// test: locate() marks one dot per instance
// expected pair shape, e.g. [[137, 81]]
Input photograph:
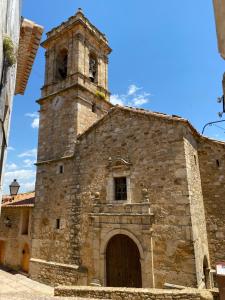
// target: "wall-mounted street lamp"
[[14, 188], [220, 114], [211, 123]]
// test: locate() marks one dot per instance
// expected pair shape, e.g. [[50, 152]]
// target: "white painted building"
[[19, 41]]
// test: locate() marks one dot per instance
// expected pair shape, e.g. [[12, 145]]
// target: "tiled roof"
[[20, 200], [148, 113], [30, 37], [117, 108]]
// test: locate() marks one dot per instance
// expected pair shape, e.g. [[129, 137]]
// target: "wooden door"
[[206, 273], [123, 267], [2, 252], [25, 258]]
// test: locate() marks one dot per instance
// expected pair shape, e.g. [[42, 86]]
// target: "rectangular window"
[[57, 223], [120, 188], [61, 169]]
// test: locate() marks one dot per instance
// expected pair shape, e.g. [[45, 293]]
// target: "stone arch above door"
[[113, 232]]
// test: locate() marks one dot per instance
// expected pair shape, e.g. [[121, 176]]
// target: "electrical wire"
[[219, 127]]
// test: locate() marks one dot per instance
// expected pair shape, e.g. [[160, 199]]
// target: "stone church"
[[124, 196]]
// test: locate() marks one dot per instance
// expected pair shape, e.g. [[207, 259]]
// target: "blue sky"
[[164, 59]]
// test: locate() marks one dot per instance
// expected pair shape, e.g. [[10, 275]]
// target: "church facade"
[[124, 196]]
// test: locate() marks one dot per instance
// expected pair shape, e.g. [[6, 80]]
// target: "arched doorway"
[[123, 266], [25, 258], [2, 252]]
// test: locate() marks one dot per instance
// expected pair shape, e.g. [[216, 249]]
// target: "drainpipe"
[[152, 259]]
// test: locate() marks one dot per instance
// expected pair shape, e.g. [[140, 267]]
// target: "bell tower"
[[75, 92], [74, 96]]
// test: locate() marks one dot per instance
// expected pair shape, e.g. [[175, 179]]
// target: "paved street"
[[17, 286]]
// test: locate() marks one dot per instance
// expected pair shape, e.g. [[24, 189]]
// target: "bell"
[[91, 76]]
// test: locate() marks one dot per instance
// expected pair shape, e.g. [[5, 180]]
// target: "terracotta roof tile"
[[153, 114], [25, 199]]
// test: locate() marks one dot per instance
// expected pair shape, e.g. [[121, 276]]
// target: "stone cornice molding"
[[70, 25]]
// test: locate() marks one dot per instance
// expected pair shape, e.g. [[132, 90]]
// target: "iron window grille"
[[120, 188]]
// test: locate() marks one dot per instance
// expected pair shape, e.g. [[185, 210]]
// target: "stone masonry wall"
[[57, 124], [54, 273], [155, 149], [137, 294], [199, 234], [62, 118], [12, 237], [54, 200], [212, 168]]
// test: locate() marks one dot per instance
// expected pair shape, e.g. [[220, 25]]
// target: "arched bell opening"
[[93, 68], [61, 69]]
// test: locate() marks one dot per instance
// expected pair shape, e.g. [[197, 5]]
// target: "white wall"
[[10, 25]]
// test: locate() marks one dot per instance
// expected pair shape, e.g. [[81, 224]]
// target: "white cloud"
[[141, 99], [35, 123], [116, 99], [134, 97], [29, 153], [28, 163], [132, 89], [22, 174], [11, 166], [29, 186], [35, 117], [10, 148], [25, 178], [32, 115]]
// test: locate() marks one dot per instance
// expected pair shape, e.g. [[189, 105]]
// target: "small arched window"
[[93, 67], [61, 65]]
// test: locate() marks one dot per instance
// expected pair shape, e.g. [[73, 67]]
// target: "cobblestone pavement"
[[17, 286]]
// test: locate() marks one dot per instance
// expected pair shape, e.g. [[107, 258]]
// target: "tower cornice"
[[72, 23], [73, 86]]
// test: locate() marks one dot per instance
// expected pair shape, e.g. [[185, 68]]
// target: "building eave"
[[172, 118], [30, 37], [20, 200], [17, 206], [219, 10]]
